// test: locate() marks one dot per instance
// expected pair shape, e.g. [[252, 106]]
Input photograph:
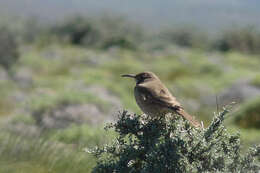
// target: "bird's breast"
[[147, 105]]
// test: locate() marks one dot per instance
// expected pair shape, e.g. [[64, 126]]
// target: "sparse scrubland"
[[146, 144], [60, 84]]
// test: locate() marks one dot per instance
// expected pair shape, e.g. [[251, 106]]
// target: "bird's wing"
[[163, 97], [159, 95]]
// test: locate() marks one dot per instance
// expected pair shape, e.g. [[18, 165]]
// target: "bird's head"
[[142, 77]]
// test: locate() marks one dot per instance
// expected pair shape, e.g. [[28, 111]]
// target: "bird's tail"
[[188, 117]]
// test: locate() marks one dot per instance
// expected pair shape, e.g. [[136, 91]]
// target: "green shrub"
[[8, 49], [54, 109], [256, 81], [119, 32], [158, 145], [81, 135], [248, 116], [185, 37], [244, 40], [118, 42], [101, 33], [78, 31]]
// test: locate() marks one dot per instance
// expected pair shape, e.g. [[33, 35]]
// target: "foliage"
[[82, 135], [103, 32], [22, 155], [108, 31], [61, 74], [185, 37], [49, 107], [8, 49], [244, 40], [256, 81], [64, 98], [157, 145], [77, 31], [118, 41], [248, 116]]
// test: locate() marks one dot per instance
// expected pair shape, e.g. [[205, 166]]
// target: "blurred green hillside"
[[62, 84]]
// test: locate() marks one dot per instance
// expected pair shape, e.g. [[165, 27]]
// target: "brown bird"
[[154, 98]]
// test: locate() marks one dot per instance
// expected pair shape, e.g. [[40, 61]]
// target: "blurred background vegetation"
[[60, 73]]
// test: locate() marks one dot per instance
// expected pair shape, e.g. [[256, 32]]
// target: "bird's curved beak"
[[129, 75]]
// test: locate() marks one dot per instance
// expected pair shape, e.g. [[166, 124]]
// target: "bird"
[[154, 99]]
